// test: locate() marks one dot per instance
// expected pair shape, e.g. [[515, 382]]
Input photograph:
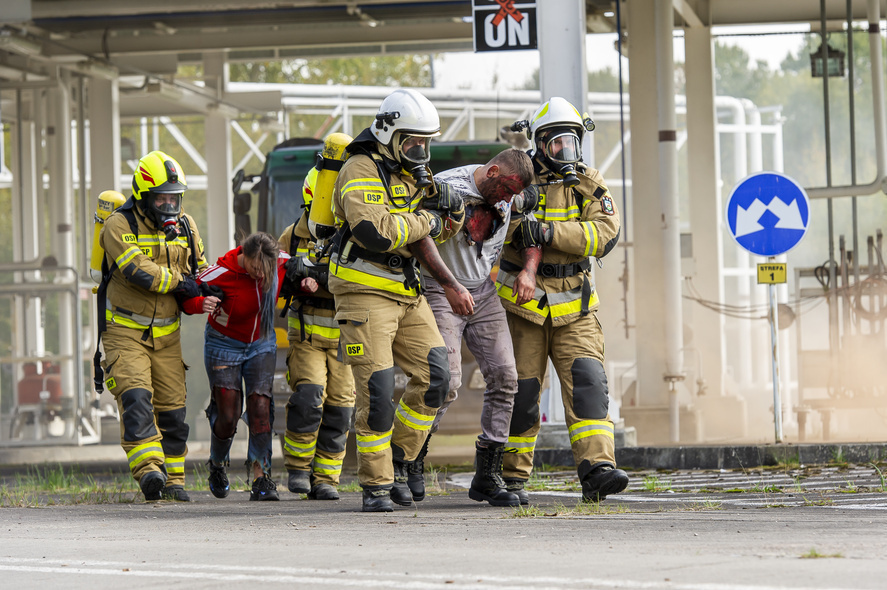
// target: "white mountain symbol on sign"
[[747, 219]]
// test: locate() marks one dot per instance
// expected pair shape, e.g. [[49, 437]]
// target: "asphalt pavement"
[[816, 527]]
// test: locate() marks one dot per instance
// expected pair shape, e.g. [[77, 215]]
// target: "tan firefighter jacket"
[[380, 221], [585, 223], [148, 269], [310, 317]]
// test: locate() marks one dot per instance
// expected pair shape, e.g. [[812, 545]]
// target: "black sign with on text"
[[504, 25]]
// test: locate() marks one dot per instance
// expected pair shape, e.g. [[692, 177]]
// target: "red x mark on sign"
[[506, 9]]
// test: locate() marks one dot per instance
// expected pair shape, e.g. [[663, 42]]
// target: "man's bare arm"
[[525, 283], [459, 298]]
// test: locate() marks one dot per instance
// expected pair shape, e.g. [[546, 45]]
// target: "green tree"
[[386, 70]]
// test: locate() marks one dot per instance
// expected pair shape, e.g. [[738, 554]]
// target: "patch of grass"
[[351, 486], [821, 501], [883, 486], [837, 454], [14, 498], [814, 554], [526, 512], [436, 481], [652, 483], [706, 505], [760, 488]]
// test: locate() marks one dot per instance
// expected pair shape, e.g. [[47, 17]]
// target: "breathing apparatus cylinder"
[[321, 220], [108, 202]]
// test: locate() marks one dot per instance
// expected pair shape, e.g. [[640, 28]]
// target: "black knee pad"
[[334, 429], [260, 413], [439, 383], [590, 399], [174, 430], [381, 387], [138, 414], [303, 410], [526, 406]]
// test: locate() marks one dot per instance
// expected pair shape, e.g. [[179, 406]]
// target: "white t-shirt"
[[471, 264]]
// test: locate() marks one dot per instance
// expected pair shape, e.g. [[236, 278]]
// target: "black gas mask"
[[413, 152], [562, 150]]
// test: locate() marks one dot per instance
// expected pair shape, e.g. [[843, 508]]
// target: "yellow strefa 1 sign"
[[771, 273]]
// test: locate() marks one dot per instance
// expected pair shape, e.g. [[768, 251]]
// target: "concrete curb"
[[729, 457]]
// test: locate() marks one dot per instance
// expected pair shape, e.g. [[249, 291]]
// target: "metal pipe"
[[880, 182]]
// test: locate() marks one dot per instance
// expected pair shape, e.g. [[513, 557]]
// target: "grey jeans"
[[486, 334]]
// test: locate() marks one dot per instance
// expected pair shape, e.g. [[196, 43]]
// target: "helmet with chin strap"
[[405, 123], [158, 173]]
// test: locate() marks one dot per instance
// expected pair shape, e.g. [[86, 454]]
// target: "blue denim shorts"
[[248, 366]]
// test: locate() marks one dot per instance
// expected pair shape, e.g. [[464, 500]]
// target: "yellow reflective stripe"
[[508, 294], [327, 466], [165, 280], [148, 240], [362, 184], [175, 464], [563, 304], [403, 232], [331, 333], [374, 442], [353, 275], [156, 331], [591, 237], [142, 452], [297, 449], [520, 444], [587, 428], [558, 214], [127, 255], [303, 252], [413, 419]]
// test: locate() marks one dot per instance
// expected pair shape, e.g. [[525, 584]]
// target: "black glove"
[[527, 200], [208, 290], [320, 274], [186, 289], [292, 279], [435, 221], [531, 233], [447, 200]]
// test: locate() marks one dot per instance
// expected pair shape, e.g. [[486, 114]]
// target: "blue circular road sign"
[[768, 213]]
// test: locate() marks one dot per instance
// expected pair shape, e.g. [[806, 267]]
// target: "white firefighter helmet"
[[406, 122], [556, 130]]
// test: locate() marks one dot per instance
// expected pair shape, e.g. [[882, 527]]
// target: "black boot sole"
[[613, 485], [479, 496]]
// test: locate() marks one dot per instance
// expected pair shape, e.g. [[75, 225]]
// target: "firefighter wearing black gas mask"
[[575, 220]]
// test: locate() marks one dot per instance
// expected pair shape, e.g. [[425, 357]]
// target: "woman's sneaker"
[[264, 488], [218, 480]]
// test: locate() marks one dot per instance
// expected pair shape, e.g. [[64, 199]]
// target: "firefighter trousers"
[[577, 352], [376, 333], [319, 412], [149, 387]]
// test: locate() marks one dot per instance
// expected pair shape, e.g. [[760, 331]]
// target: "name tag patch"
[[399, 190], [354, 349], [373, 198], [147, 251], [130, 239], [110, 383]]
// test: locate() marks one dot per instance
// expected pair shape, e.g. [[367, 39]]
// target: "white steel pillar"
[[61, 198], [217, 131], [706, 211], [29, 336], [647, 222], [104, 136], [562, 70], [670, 230]]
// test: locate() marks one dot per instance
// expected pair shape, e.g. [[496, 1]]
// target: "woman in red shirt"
[[240, 352]]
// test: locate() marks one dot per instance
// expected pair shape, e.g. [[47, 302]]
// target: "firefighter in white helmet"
[[385, 202], [551, 302]]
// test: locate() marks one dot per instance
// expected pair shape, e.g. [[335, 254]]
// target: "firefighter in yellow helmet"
[[386, 204], [152, 251], [551, 302], [319, 412]]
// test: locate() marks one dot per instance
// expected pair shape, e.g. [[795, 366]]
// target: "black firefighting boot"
[[377, 499], [516, 487], [151, 484], [400, 491], [175, 493], [416, 473], [487, 484], [602, 481], [298, 482]]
